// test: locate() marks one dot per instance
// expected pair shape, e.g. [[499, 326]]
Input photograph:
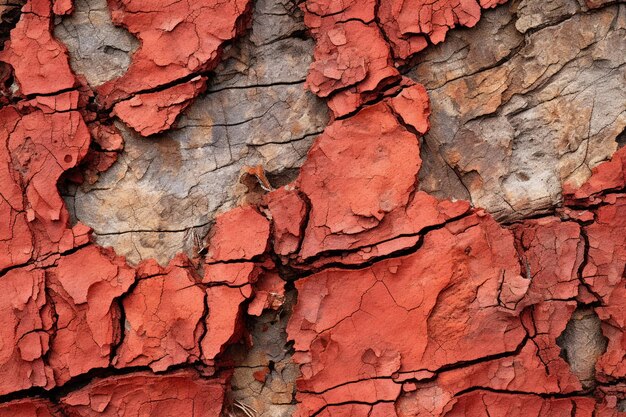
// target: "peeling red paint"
[[152, 113], [177, 40], [408, 305], [88, 318], [40, 62]]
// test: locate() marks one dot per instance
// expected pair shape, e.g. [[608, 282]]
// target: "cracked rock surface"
[[165, 190], [519, 108], [330, 208]]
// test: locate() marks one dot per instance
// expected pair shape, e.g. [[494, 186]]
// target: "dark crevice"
[[9, 16], [372, 403], [435, 372], [621, 139], [184, 229], [55, 394], [283, 177], [583, 265], [556, 395], [119, 303]]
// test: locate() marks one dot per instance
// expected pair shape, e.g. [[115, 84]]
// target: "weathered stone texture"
[[449, 248], [98, 50], [524, 103], [165, 190]]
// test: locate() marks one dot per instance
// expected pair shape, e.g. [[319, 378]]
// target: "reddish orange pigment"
[[407, 305]]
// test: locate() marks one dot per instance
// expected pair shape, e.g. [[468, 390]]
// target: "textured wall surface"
[[365, 208]]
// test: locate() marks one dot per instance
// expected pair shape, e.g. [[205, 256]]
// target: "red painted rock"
[[399, 230], [27, 321], [604, 273], [358, 205], [288, 212], [345, 199], [360, 44], [351, 54], [163, 319], [42, 139], [402, 42], [224, 322], [551, 253], [99, 159], [239, 234], [433, 19], [62, 7], [235, 274], [237, 238], [535, 367], [177, 40], [84, 287], [182, 393], [610, 399], [606, 177], [489, 404], [356, 330], [352, 60], [152, 113], [269, 294], [16, 240], [460, 319]]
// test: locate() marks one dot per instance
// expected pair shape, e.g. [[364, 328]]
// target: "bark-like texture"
[[447, 239], [533, 98]]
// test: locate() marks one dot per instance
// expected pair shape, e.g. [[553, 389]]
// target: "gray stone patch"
[[167, 189], [98, 50]]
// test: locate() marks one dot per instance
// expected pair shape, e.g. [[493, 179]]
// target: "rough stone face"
[[368, 282], [265, 375], [182, 393], [84, 287], [166, 190], [582, 343], [516, 113]]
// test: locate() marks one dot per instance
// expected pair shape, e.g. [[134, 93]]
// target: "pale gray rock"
[[515, 116], [532, 14], [167, 189]]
